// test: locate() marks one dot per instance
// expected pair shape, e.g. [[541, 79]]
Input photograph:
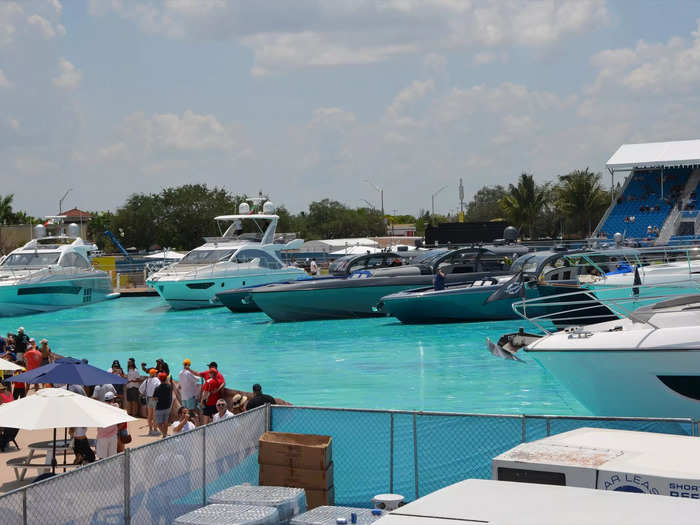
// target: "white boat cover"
[[656, 154]]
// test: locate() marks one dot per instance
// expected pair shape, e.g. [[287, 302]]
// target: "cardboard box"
[[317, 498], [306, 451], [296, 477]]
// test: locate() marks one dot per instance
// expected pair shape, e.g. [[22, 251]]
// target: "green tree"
[[581, 199], [486, 204], [6, 215], [523, 203], [99, 223]]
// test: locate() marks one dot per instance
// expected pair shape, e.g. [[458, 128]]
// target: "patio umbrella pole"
[[53, 459], [65, 447]]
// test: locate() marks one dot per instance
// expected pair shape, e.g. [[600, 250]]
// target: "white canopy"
[[167, 254], [8, 366], [58, 408], [655, 154], [356, 250]]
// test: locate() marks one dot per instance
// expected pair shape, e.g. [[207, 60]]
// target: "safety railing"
[[374, 451]]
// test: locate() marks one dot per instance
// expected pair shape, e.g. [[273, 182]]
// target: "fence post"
[[391, 453], [524, 425], [127, 487], [548, 429], [268, 417], [24, 506], [204, 466], [415, 454], [119, 282]]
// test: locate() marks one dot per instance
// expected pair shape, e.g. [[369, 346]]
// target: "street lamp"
[[433, 198], [381, 194]]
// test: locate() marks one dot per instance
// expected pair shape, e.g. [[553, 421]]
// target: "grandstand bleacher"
[[641, 205]]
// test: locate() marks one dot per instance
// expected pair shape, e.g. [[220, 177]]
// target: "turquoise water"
[[361, 363]]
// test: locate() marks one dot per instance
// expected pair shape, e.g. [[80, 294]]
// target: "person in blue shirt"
[[439, 280]]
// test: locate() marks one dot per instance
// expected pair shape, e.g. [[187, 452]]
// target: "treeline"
[[9, 216], [571, 207], [180, 217]]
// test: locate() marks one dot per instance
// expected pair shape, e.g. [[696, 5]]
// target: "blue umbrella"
[[69, 371]]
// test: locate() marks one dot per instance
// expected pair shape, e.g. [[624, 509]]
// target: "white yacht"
[[51, 272], [644, 365], [234, 260]]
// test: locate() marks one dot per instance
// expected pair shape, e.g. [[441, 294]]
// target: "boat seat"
[[478, 283]]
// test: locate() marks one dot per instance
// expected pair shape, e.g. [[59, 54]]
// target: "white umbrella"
[[9, 366], [57, 408]]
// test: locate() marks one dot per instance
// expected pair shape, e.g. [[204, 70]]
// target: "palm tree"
[[6, 208], [524, 202], [581, 199]]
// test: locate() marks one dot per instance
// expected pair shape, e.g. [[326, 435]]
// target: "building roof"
[[76, 213], [655, 155]]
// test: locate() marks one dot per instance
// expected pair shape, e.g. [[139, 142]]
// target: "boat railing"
[[583, 306]]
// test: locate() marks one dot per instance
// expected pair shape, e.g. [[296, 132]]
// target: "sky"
[[312, 99]]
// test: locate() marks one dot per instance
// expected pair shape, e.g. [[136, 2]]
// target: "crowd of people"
[[171, 405]]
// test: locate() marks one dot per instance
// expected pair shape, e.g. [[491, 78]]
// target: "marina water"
[[357, 363]]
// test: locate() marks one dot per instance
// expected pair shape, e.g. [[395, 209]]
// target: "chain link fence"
[[374, 451], [416, 453]]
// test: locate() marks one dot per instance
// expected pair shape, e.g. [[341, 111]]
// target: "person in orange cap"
[[147, 388]]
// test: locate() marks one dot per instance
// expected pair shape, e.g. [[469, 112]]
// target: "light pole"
[[60, 203], [432, 199], [381, 194]]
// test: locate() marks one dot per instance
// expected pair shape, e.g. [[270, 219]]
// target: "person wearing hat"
[[219, 375], [210, 395], [238, 403], [107, 437], [164, 398], [100, 392], [146, 389], [21, 342], [189, 384]]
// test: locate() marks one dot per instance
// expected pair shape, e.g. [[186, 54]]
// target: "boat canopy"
[[250, 216], [655, 155]]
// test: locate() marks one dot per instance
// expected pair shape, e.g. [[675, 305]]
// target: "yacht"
[[644, 365], [358, 283], [233, 260], [51, 272], [491, 297]]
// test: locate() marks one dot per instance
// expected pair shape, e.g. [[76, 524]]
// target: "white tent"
[[655, 154], [356, 250]]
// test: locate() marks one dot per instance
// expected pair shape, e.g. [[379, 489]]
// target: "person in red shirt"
[[219, 376], [210, 395], [32, 359]]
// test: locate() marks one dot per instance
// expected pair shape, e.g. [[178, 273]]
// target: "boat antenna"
[[60, 202]]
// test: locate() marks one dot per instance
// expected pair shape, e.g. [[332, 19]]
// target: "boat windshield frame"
[[209, 257], [35, 259]]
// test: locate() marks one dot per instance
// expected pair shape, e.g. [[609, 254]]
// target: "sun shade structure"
[[655, 155], [7, 366], [58, 408], [68, 371]]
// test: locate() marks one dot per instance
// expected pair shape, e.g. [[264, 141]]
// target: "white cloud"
[[671, 67], [408, 96], [69, 77], [4, 82], [331, 117], [11, 14], [45, 28], [317, 33]]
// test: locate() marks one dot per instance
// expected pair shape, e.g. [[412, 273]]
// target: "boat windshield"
[[429, 257], [529, 263], [31, 259], [206, 256], [339, 265]]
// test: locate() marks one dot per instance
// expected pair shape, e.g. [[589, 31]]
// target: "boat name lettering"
[[684, 490], [629, 483]]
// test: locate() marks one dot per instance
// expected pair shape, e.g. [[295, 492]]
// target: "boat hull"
[[51, 295], [627, 383], [238, 301], [185, 294]]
